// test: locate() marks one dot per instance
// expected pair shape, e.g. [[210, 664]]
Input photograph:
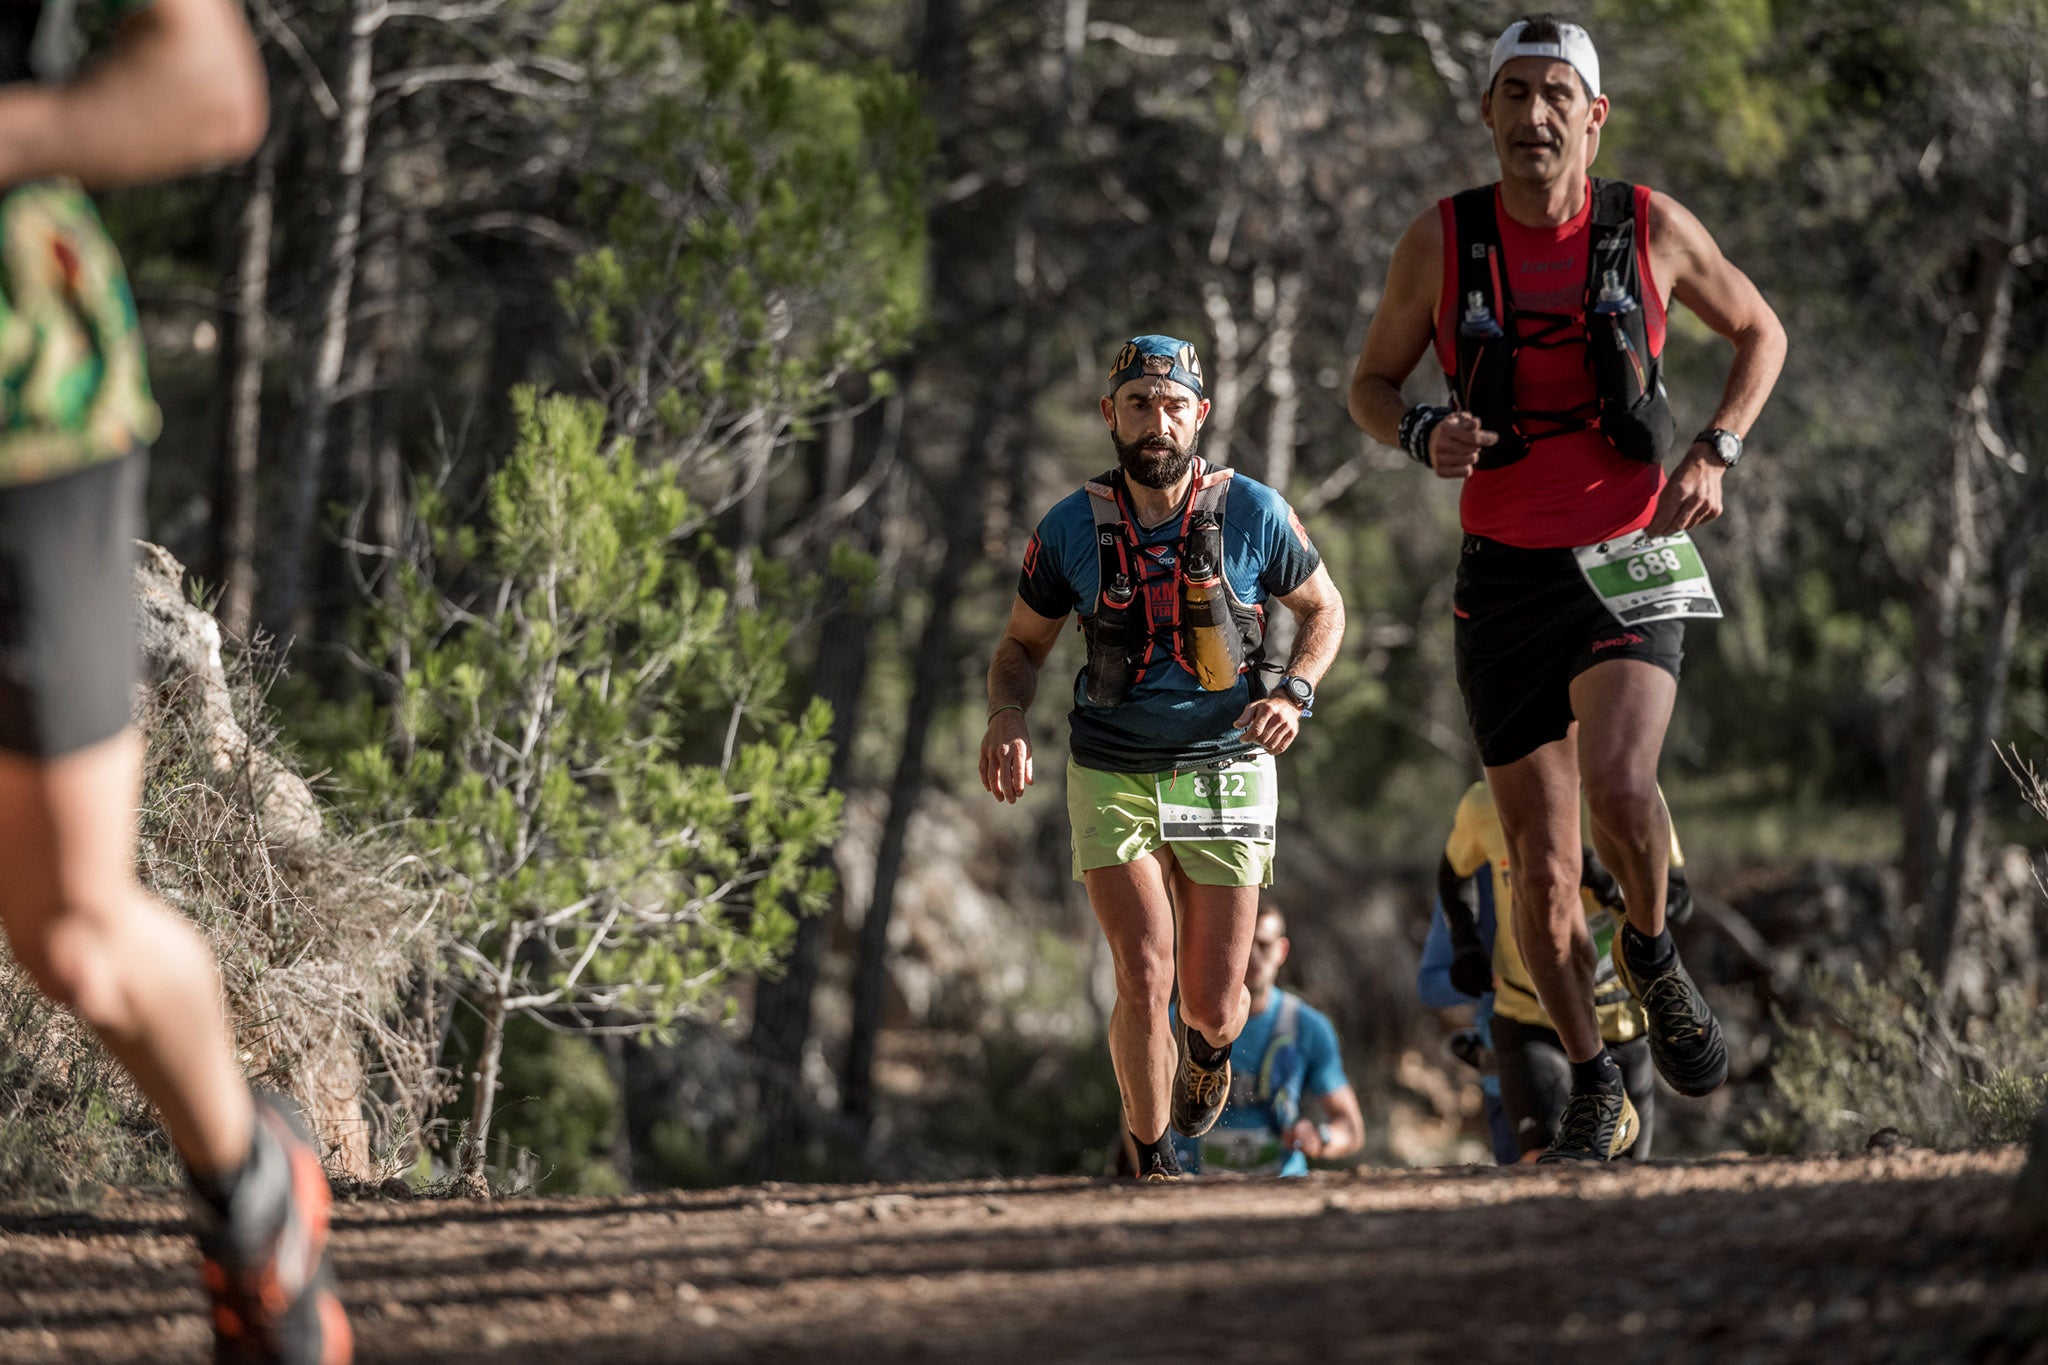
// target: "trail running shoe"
[[1685, 1038], [265, 1264], [1595, 1126], [1150, 1167], [1199, 1092]]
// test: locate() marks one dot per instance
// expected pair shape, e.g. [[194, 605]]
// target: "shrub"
[[1890, 1053]]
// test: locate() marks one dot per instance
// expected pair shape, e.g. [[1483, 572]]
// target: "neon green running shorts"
[[1115, 820]]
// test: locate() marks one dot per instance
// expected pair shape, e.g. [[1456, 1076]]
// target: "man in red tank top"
[[1544, 299]]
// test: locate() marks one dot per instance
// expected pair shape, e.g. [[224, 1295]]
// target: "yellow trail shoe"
[[1596, 1126]]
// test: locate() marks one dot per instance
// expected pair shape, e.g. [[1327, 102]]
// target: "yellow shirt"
[[1477, 841]]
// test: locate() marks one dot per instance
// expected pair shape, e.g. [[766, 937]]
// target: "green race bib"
[[1237, 799], [1641, 579]]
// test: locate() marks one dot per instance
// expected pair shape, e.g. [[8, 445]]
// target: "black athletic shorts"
[[67, 607], [1527, 624], [1536, 1080]]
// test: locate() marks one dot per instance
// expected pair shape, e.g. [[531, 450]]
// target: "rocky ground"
[[1889, 1257]]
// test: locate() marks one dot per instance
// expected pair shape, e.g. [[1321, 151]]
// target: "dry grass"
[[323, 944]]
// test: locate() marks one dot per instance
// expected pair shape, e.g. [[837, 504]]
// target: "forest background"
[[607, 431]]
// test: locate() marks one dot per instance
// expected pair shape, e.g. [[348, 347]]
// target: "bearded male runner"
[[1171, 791], [1544, 297], [180, 86]]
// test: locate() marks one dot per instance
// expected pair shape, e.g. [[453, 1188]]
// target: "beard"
[[1155, 461]]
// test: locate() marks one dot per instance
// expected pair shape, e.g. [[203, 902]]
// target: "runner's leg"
[[1538, 800], [93, 940], [1133, 907], [1535, 1082], [1216, 928], [1624, 707]]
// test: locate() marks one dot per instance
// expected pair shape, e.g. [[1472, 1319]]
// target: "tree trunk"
[[322, 360], [235, 551], [485, 1093], [933, 671], [1954, 562], [783, 1006], [1987, 709]]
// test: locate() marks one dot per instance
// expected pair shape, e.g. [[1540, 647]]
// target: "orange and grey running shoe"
[[1199, 1092], [1595, 1126], [265, 1261]]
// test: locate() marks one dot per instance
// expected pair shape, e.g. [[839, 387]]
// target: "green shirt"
[[74, 388]]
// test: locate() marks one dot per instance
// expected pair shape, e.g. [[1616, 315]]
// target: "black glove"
[[1472, 971], [1677, 898], [1595, 877]]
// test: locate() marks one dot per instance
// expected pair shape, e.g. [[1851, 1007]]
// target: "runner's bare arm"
[[1346, 1125], [181, 88], [1689, 262], [1273, 722], [1012, 683], [1398, 336]]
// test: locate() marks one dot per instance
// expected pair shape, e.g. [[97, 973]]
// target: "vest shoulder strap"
[[1614, 203], [1102, 500], [1286, 1031], [1472, 215]]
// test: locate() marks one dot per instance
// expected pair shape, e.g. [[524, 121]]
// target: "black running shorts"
[[67, 607], [1527, 624]]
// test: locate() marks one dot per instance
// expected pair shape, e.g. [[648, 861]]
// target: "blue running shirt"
[[1166, 720]]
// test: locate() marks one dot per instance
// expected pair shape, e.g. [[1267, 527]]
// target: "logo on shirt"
[[1617, 641]]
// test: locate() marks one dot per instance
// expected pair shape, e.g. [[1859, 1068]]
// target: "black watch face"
[[1298, 691]]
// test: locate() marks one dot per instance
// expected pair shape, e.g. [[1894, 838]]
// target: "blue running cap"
[[1157, 357]]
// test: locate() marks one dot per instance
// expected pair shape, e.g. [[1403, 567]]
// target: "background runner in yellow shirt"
[[1535, 1074]]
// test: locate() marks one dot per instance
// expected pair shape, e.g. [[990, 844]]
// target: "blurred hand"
[[1304, 1138], [1006, 755], [1455, 444]]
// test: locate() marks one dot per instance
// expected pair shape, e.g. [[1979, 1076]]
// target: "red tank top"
[[1574, 488]]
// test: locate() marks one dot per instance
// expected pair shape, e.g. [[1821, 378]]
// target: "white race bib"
[[1642, 579], [1236, 799]]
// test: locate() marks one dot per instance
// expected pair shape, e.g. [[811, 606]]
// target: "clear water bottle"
[[1613, 300], [1478, 320], [1109, 666]]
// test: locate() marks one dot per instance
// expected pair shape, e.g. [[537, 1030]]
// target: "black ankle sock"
[[1157, 1154], [1597, 1073], [1648, 956], [217, 1189], [1206, 1055]]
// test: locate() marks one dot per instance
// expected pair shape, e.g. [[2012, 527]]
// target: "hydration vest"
[[1188, 610], [1629, 405]]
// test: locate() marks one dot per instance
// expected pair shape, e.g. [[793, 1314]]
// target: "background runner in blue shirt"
[[1287, 1053]]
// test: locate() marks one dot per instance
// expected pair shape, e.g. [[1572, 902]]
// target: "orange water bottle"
[[1205, 605]]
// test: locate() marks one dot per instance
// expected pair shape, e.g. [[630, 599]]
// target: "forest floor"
[[1889, 1257]]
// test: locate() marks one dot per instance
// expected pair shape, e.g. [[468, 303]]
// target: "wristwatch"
[[1725, 444], [1300, 691]]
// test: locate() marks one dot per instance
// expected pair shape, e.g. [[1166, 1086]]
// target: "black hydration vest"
[[1629, 407], [1187, 610]]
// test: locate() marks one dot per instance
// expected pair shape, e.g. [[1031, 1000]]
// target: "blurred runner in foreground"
[[179, 87]]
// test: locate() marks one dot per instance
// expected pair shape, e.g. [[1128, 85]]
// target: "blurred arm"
[[182, 88]]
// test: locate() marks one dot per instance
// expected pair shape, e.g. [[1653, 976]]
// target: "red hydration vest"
[[1554, 338]]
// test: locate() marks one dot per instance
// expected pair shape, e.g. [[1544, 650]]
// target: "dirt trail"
[[1881, 1258]]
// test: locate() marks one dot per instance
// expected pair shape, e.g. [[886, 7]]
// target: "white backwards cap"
[[1574, 46]]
